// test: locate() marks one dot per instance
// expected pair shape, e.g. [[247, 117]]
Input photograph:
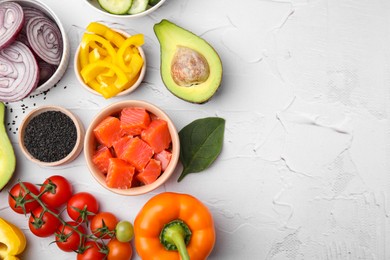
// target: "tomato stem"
[[175, 236], [46, 209]]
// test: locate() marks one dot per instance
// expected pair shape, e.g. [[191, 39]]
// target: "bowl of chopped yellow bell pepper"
[[109, 62]]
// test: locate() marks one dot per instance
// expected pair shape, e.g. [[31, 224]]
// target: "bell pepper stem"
[[175, 236]]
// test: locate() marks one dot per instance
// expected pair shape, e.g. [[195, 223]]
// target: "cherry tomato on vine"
[[119, 250], [93, 251], [124, 231], [17, 198], [103, 225], [58, 191], [82, 206], [67, 239], [43, 223]]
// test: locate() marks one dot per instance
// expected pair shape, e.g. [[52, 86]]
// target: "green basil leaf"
[[200, 144]]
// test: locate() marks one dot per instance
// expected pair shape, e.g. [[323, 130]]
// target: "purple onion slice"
[[31, 12], [45, 39], [11, 22], [46, 70], [19, 74]]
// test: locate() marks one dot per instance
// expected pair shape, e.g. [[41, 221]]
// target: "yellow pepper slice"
[[100, 29], [84, 47], [135, 65], [135, 40], [101, 50], [92, 70], [13, 240]]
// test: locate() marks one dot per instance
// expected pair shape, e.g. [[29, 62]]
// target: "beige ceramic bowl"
[[95, 5], [79, 130], [125, 92], [90, 146], [56, 77]]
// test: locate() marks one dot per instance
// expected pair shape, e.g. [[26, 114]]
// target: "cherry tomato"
[[82, 206], [93, 251], [17, 198], [43, 223], [58, 191], [103, 225], [119, 250], [67, 239], [124, 231]]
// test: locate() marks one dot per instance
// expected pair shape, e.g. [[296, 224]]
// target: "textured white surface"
[[304, 172]]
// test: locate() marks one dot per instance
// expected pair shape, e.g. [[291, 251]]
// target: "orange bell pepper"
[[173, 226]]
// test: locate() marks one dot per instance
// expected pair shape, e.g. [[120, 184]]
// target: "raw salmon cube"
[[121, 145], [108, 131], [157, 135], [151, 172], [120, 174], [134, 120], [164, 157], [101, 158], [136, 152]]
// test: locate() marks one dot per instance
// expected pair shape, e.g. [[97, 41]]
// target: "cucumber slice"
[[116, 6], [138, 6], [153, 2]]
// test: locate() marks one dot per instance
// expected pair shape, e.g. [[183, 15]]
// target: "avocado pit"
[[189, 67]]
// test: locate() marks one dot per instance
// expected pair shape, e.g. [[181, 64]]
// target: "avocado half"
[[190, 67], [7, 154]]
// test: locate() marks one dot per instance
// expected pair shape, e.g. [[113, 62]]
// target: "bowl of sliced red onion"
[[34, 49]]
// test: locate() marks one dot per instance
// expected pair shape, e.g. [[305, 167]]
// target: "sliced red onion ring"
[[46, 70], [45, 39], [31, 12], [22, 37], [19, 74], [11, 22]]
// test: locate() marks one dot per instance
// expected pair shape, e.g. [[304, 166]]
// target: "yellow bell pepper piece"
[[101, 50], [135, 65], [135, 40], [84, 48], [13, 240], [90, 72], [94, 55], [100, 29]]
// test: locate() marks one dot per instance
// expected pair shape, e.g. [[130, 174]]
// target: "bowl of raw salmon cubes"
[[131, 147]]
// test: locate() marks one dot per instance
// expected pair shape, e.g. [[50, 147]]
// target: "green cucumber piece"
[[153, 2], [138, 6], [116, 6]]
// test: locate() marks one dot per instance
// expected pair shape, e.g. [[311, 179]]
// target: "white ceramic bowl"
[[55, 78], [124, 92], [95, 5], [90, 144], [79, 131]]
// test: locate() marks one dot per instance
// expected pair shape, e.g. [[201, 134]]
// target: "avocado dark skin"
[[190, 67], [7, 154]]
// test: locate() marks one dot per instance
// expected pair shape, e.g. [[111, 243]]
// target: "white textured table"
[[304, 172]]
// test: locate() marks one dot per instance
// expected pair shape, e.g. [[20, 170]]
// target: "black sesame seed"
[[50, 136]]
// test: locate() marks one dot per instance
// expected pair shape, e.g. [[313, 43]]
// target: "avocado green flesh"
[[172, 37], [7, 155]]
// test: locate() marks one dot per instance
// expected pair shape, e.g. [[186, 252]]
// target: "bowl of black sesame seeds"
[[51, 136]]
